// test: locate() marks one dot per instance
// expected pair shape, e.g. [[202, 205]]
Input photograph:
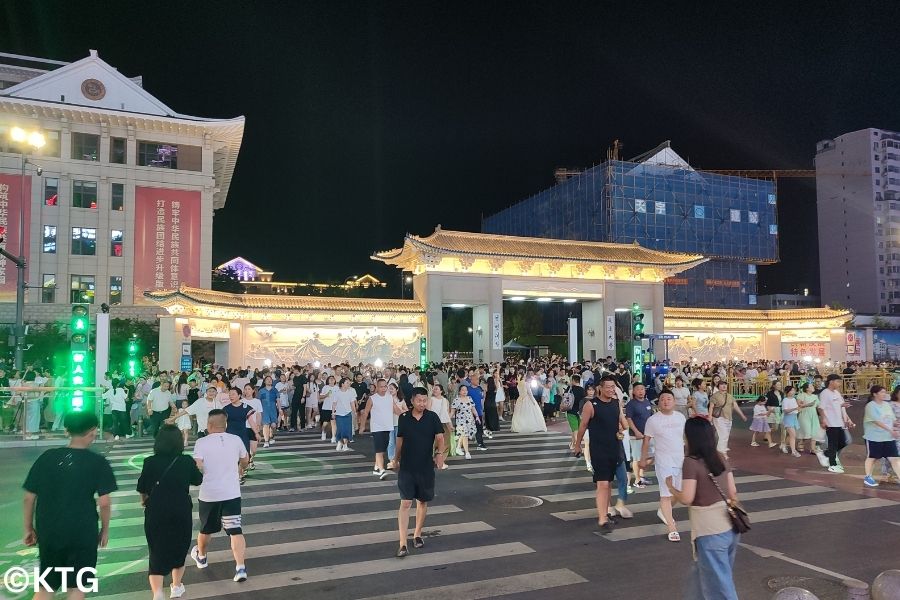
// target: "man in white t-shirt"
[[241, 380], [200, 410], [160, 404], [381, 406], [221, 457], [666, 430], [833, 419]]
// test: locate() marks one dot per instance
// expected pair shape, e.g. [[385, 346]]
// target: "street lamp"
[[35, 140]]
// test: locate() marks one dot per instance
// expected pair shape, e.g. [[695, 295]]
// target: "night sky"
[[369, 120]]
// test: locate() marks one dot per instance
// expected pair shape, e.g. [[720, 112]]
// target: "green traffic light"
[[79, 324]]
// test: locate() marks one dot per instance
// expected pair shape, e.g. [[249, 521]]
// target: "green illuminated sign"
[[423, 353], [79, 358]]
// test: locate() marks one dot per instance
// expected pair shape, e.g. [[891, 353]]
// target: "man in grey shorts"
[[637, 411]]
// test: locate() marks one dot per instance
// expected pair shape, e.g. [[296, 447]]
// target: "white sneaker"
[[266, 445], [116, 438], [836, 469], [784, 449], [323, 436], [339, 447], [502, 420], [333, 440], [468, 456], [823, 460], [176, 591]]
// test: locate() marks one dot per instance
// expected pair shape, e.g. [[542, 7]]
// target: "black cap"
[[833, 377]]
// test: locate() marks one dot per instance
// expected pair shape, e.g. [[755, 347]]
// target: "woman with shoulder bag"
[[164, 486], [708, 489]]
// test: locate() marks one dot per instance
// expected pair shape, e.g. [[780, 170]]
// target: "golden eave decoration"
[[489, 254], [798, 318], [189, 301]]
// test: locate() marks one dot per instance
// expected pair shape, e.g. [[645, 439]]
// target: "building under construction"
[[659, 201]]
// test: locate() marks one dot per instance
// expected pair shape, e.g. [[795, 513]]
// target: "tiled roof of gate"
[[530, 248], [276, 302]]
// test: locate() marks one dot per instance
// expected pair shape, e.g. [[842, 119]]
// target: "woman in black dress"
[[164, 486], [491, 418]]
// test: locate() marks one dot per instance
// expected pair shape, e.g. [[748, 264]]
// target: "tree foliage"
[[521, 320], [227, 280]]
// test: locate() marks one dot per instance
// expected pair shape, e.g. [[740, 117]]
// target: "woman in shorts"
[[789, 420], [879, 433]]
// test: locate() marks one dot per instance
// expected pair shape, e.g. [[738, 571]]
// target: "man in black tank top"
[[603, 419]]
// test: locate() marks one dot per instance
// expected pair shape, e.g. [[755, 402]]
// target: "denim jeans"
[[711, 575], [622, 479], [392, 444]]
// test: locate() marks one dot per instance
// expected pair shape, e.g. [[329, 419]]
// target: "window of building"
[[752, 216], [48, 288], [117, 196], [155, 154], [115, 290], [772, 198], [84, 241], [82, 289], [116, 243], [85, 146], [117, 151], [50, 239], [735, 215], [660, 207], [699, 211], [773, 229], [751, 269], [51, 144], [51, 191], [84, 194], [640, 206], [751, 298]]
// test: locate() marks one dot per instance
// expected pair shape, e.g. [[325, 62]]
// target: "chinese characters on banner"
[[799, 350], [10, 205], [856, 345], [167, 239]]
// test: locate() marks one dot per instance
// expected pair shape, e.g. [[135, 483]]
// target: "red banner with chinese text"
[[10, 204], [166, 239]]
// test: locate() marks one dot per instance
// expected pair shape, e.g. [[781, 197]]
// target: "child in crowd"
[[760, 420], [184, 422]]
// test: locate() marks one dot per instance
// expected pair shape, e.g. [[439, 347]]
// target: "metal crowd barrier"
[[18, 397]]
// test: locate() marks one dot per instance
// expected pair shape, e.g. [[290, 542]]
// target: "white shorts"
[[661, 473]]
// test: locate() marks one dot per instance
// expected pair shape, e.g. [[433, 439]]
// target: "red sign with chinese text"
[[10, 204], [166, 239], [799, 350]]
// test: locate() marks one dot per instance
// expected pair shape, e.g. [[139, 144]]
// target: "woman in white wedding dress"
[[527, 415]]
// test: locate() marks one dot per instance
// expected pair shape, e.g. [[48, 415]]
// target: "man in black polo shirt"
[[415, 457]]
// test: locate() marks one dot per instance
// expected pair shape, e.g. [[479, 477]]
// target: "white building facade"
[[120, 199], [858, 201]]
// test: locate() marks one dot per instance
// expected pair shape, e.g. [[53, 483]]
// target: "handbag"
[[156, 483], [740, 520]]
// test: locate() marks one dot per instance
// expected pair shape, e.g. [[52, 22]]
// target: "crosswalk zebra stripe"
[[568, 497], [271, 481], [591, 513], [492, 588], [122, 506], [280, 506], [778, 514], [140, 541], [469, 464], [519, 472], [301, 469], [314, 545], [518, 485], [344, 571]]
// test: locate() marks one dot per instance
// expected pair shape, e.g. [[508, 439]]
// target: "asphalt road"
[[320, 524]]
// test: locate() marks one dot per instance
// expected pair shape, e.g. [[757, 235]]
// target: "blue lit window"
[[699, 211], [752, 217], [771, 198], [735, 215], [751, 269], [751, 298], [773, 229], [640, 206], [660, 208]]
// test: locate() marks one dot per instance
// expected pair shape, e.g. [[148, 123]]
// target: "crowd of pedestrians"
[[420, 421]]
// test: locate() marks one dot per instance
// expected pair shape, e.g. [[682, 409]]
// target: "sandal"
[[402, 552], [418, 542], [674, 536]]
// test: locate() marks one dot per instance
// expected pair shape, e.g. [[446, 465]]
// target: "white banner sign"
[[611, 334], [497, 331]]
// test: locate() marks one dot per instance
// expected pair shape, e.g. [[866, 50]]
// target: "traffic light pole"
[[19, 332]]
